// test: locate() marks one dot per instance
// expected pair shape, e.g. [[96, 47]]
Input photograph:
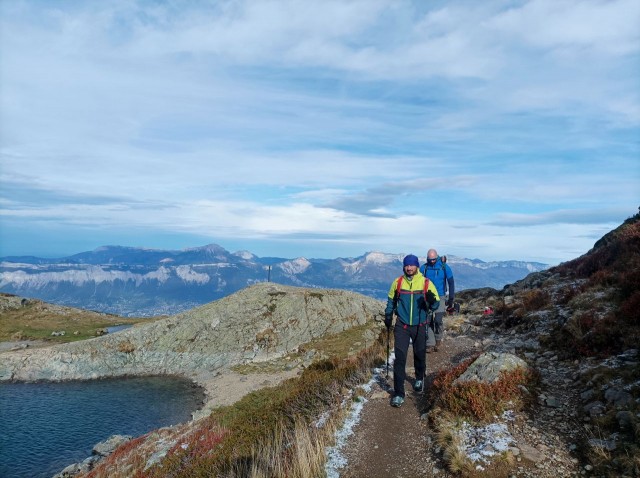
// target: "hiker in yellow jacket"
[[411, 297]]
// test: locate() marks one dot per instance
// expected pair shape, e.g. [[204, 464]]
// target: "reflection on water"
[[47, 426]]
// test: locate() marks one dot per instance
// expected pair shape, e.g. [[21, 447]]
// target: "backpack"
[[443, 262]]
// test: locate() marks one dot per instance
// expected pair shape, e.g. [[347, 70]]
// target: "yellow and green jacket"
[[413, 300]]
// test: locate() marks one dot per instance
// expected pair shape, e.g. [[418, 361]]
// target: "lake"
[[46, 426]]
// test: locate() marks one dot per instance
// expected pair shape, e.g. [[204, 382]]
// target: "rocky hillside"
[[261, 322], [578, 326]]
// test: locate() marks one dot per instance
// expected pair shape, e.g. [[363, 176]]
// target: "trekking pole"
[[388, 338]]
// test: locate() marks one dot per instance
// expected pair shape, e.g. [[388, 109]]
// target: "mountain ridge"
[[136, 281]]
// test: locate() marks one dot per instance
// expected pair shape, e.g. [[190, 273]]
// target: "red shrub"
[[630, 309]]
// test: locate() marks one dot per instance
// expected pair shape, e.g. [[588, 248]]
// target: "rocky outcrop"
[[260, 322], [100, 450], [489, 366]]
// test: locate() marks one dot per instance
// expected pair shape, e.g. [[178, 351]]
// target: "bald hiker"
[[440, 274]]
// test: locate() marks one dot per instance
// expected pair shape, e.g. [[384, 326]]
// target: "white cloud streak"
[[344, 120]]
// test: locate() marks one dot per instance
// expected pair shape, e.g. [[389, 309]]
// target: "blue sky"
[[494, 130]]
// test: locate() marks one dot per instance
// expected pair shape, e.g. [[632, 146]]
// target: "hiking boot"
[[397, 401], [417, 385]]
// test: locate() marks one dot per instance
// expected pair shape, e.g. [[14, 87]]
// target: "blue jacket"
[[442, 276], [413, 303]]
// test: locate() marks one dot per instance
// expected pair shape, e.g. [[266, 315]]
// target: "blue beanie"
[[410, 260]]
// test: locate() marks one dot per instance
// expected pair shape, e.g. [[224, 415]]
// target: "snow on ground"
[[335, 459], [482, 443]]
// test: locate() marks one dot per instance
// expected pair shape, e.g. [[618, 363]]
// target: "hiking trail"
[[390, 442]]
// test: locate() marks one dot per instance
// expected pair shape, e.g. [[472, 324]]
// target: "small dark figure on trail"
[[411, 297], [438, 271]]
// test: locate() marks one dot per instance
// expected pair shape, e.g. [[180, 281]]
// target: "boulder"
[[489, 366], [105, 448]]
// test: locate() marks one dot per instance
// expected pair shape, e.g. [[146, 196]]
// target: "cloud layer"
[[499, 130]]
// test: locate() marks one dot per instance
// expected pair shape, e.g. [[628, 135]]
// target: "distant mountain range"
[[148, 282]]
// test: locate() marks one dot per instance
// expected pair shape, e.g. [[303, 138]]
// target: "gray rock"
[[552, 402], [594, 408], [618, 398], [262, 322], [587, 395], [608, 445], [625, 419], [105, 448], [530, 453], [489, 366]]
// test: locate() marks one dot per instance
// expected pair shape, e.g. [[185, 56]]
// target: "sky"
[[497, 130]]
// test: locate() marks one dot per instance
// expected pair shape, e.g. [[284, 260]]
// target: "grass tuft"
[[269, 432], [478, 401]]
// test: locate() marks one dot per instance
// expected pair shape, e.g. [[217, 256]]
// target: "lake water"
[[46, 426], [117, 328]]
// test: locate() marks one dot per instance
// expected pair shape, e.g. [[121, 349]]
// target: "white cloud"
[[348, 121]]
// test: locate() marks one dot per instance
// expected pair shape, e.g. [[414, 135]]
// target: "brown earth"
[[393, 442]]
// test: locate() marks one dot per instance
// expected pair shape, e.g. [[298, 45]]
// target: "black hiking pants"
[[418, 335]]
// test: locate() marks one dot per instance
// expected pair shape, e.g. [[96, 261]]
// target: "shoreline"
[[220, 387]]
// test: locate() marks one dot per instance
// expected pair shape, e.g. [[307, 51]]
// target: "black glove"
[[431, 299], [388, 318], [450, 303]]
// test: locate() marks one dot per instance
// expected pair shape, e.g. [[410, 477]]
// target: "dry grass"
[[343, 344], [478, 401], [299, 453], [475, 403], [449, 437], [268, 433], [126, 347], [536, 299]]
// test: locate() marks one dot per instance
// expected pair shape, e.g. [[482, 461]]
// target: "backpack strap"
[[425, 290], [397, 294], [443, 263], [399, 287]]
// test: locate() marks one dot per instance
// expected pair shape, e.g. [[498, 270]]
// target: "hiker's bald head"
[[432, 254]]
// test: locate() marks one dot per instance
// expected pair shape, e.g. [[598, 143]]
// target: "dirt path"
[[394, 442]]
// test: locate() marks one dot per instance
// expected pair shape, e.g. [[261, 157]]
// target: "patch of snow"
[[481, 443], [187, 274], [246, 255], [322, 420], [295, 266], [79, 277], [374, 258], [379, 258], [335, 458]]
